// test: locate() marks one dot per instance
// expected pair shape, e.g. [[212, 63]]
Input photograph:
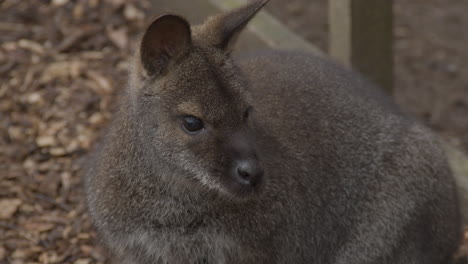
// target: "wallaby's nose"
[[249, 172]]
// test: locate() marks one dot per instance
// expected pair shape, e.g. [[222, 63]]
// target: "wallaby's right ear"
[[166, 39], [221, 31]]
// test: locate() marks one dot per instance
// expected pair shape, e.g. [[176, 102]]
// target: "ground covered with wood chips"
[[62, 63]]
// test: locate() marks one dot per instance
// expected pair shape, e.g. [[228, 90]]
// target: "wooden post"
[[361, 37]]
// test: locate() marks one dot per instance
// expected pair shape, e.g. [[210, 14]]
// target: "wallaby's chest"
[[180, 245]]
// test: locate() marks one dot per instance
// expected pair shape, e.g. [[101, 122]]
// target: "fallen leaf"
[[31, 45], [2, 253], [96, 119], [8, 207], [38, 226], [82, 261], [59, 2], [45, 141], [34, 98], [49, 258], [61, 69], [57, 152], [20, 254], [133, 13], [118, 37], [103, 84], [65, 178]]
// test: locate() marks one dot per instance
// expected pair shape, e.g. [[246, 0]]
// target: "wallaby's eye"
[[192, 124], [246, 113]]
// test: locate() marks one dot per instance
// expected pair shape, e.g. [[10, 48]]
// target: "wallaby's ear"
[[222, 30], [167, 38]]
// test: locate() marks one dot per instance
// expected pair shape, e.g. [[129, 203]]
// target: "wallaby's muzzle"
[[246, 170]]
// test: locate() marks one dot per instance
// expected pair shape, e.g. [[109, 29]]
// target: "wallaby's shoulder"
[[312, 75], [341, 106], [338, 103]]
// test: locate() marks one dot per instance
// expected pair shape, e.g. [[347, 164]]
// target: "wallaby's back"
[[376, 175]]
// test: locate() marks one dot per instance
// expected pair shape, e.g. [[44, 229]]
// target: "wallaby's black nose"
[[249, 172]]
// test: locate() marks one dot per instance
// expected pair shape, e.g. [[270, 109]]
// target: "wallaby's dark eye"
[[192, 124]]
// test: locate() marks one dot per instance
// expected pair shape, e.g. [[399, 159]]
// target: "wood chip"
[[118, 37], [132, 13], [45, 141], [20, 254], [104, 85], [31, 45], [57, 152], [38, 226], [82, 261], [2, 253], [59, 2], [65, 178], [62, 69], [96, 119], [8, 207]]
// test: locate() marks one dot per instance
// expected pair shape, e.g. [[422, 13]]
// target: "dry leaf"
[[59, 2], [133, 13], [49, 258], [31, 45], [38, 226], [66, 180], [103, 84], [34, 98], [118, 37], [2, 253], [62, 69], [58, 151], [45, 141], [82, 261], [78, 10], [116, 3], [96, 118], [20, 254], [8, 207]]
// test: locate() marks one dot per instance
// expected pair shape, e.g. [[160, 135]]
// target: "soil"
[[62, 63]]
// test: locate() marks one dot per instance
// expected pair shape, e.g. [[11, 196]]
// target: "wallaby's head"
[[192, 101]]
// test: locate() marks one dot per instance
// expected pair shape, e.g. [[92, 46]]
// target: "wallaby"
[[272, 157]]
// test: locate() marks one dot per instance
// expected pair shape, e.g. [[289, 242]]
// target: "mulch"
[[62, 64]]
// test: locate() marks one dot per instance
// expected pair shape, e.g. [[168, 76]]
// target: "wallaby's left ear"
[[222, 30], [167, 38]]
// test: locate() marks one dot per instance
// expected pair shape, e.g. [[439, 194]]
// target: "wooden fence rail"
[[361, 37]]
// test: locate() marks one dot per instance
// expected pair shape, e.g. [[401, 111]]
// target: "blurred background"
[[63, 63]]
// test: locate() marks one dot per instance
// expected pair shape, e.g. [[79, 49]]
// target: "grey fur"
[[348, 177]]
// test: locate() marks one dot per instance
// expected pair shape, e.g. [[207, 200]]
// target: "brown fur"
[[347, 177]]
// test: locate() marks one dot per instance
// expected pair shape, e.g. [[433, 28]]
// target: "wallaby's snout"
[[246, 170]]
